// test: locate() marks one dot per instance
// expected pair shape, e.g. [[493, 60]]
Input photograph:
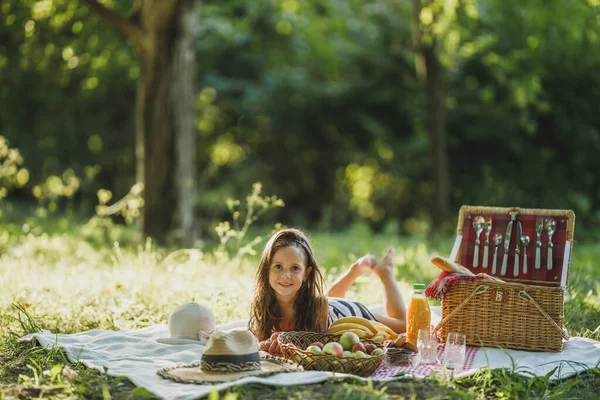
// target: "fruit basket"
[[293, 343]]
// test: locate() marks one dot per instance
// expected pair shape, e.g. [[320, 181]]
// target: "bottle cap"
[[419, 286]]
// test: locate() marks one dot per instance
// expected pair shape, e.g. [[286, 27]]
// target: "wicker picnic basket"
[[524, 312], [293, 343]]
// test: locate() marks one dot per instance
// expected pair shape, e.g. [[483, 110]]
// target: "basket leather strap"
[[478, 290], [524, 295]]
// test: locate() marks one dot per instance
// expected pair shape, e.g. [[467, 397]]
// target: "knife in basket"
[[513, 217], [517, 248]]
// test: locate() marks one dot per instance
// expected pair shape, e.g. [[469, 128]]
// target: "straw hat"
[[190, 323], [229, 356]]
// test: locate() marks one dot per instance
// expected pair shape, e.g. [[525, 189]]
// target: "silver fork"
[[488, 230]]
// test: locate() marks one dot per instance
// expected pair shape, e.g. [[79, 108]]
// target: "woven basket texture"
[[323, 362], [506, 314], [497, 314]]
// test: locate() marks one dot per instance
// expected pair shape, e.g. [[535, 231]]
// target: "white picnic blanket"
[[135, 354]]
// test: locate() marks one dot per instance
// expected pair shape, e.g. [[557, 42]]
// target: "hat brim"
[[269, 365], [170, 340]]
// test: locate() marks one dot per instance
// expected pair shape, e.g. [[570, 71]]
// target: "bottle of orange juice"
[[418, 314]]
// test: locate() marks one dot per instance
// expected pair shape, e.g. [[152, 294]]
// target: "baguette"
[[449, 266]]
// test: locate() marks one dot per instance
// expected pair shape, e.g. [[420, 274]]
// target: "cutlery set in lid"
[[519, 244]]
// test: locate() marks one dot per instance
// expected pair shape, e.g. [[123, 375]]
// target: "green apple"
[[347, 354], [314, 349], [359, 354], [349, 339], [377, 352]]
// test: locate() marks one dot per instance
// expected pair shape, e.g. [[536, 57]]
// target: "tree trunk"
[[436, 124], [431, 72], [158, 129], [163, 34], [167, 120], [182, 102]]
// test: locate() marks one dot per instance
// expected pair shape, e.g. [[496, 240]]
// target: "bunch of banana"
[[385, 331], [363, 328]]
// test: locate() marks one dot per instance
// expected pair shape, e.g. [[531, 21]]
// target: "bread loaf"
[[449, 266]]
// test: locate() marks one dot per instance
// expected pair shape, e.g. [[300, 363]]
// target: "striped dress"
[[339, 308]]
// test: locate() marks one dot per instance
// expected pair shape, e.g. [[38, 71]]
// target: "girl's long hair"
[[265, 314]]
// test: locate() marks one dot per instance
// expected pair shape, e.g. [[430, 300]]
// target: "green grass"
[[67, 283]]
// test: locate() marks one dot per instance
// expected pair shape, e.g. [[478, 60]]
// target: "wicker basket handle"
[[478, 290], [525, 296]]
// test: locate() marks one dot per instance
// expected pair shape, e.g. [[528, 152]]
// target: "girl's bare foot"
[[385, 266]]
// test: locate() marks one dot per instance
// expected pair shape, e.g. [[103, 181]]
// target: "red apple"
[[370, 347], [359, 346], [318, 344], [333, 348]]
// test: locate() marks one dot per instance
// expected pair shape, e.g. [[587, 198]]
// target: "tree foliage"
[[320, 101]]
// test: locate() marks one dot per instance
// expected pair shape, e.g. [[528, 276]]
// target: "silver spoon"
[[478, 225], [550, 226], [497, 241], [488, 230], [525, 242]]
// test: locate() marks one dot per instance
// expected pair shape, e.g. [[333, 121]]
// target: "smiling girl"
[[289, 292]]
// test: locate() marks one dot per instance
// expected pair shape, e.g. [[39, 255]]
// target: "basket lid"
[[541, 247]]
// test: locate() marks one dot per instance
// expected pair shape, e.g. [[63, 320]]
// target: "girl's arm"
[[343, 283]]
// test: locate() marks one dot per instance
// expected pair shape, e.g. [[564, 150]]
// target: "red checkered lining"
[[499, 224]]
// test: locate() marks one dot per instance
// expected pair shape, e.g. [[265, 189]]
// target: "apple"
[[347, 354], [359, 354], [370, 347], [318, 344], [314, 349], [359, 346], [333, 348], [349, 339], [377, 352]]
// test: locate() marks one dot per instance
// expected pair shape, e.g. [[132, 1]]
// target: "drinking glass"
[[454, 353], [427, 345]]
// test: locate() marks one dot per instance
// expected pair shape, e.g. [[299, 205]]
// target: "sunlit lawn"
[[69, 285]]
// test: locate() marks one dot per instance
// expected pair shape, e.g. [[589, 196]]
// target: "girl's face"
[[287, 271]]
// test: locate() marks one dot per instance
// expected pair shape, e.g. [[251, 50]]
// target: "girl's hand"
[[264, 345], [275, 349]]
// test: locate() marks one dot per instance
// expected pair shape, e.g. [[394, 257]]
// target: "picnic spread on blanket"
[[502, 294]]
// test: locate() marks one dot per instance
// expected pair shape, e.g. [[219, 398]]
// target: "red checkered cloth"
[[445, 280], [385, 371], [528, 222]]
